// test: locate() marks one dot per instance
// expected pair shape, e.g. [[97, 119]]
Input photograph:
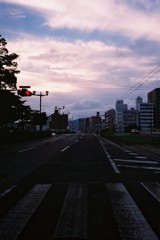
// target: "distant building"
[[95, 123], [59, 122], [154, 97], [110, 120], [120, 108]]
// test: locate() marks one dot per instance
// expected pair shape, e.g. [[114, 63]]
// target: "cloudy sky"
[[87, 54]]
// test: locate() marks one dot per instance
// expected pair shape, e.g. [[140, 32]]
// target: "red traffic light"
[[24, 93]]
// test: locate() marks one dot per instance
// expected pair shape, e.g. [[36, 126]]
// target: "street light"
[[40, 95]]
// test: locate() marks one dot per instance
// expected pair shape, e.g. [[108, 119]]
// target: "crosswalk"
[[73, 219]]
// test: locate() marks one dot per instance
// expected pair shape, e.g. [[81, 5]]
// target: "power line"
[[142, 81]]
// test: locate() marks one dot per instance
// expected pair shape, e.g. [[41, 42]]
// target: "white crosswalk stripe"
[[12, 224], [131, 223], [73, 219]]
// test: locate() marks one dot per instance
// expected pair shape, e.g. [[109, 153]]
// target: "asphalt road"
[[78, 187]]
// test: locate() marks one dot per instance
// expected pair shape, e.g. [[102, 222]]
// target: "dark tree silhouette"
[[8, 67], [12, 108]]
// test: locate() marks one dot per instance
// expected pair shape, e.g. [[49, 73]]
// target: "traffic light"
[[24, 92]]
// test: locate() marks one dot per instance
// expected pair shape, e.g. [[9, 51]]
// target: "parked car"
[[134, 131]]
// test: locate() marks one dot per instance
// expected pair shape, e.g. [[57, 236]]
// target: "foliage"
[[8, 67], [12, 109]]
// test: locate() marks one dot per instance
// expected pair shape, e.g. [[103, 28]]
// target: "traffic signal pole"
[[40, 95]]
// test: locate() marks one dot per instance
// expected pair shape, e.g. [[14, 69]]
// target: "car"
[[134, 131]]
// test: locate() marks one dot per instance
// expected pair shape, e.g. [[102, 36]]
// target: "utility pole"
[[40, 95]]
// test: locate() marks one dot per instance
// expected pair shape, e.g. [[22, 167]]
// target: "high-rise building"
[[154, 97], [138, 101], [110, 120], [146, 117], [120, 108]]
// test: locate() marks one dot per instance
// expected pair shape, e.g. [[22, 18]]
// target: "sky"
[[87, 54]]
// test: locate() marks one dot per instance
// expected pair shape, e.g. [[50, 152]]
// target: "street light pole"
[[40, 95]]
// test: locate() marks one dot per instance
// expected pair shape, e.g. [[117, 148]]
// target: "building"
[[95, 123], [110, 120], [154, 97], [59, 122], [130, 117], [146, 117], [120, 108], [138, 101]]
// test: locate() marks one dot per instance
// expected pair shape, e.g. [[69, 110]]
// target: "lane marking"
[[13, 223], [116, 170], [153, 188], [135, 161], [7, 191], [77, 140], [141, 157], [26, 149], [64, 149], [130, 220], [138, 167], [72, 223], [132, 153]]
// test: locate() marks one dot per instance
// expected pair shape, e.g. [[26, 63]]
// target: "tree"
[[12, 109], [8, 67], [11, 106]]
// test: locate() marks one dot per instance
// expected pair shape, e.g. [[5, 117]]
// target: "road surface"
[[78, 187]]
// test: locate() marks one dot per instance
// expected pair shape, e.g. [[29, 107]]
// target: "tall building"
[[110, 120], [146, 117], [120, 108], [138, 101], [154, 97], [95, 123], [130, 117]]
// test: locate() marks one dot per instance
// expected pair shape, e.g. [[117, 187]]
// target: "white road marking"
[[26, 149], [132, 153], [135, 161], [64, 149], [15, 220], [7, 191], [141, 157], [153, 188], [130, 220], [116, 170], [72, 223], [138, 167]]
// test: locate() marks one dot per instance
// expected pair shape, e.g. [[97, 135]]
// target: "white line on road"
[[131, 222], [26, 149], [153, 188], [15, 220], [64, 149], [138, 167], [135, 161], [72, 223], [116, 170], [7, 191]]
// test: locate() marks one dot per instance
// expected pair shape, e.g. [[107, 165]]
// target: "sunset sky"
[[87, 54]]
